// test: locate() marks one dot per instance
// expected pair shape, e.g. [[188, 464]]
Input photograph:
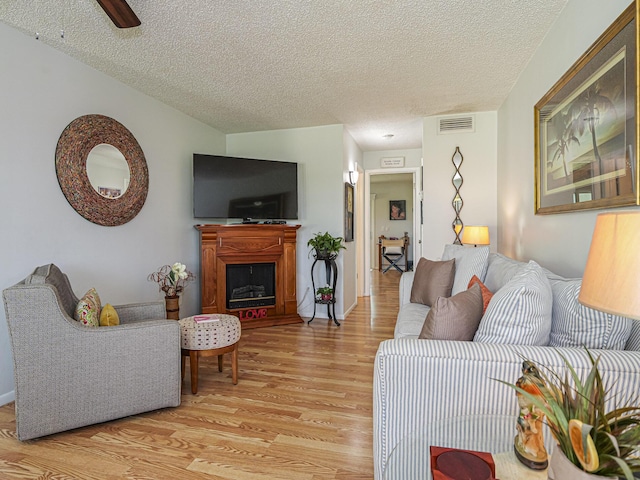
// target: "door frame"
[[370, 242]]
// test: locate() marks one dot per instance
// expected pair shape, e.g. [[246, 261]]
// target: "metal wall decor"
[[457, 199], [76, 142]]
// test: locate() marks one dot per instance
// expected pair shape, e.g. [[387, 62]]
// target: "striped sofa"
[[418, 383]]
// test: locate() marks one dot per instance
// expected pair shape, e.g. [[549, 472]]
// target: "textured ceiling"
[[375, 66]]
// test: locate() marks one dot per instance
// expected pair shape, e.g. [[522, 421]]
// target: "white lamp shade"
[[475, 235], [611, 281]]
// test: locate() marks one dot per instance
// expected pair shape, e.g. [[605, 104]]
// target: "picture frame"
[[349, 205], [586, 130], [397, 209]]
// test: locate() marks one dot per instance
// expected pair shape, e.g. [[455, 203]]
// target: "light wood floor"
[[302, 409]]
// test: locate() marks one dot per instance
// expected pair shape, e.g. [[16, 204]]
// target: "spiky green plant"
[[601, 443]]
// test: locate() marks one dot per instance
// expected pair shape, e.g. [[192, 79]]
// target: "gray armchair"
[[68, 375]]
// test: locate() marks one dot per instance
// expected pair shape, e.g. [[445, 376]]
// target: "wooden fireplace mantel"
[[222, 245]]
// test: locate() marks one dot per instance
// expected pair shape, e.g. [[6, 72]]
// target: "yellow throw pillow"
[[109, 316], [88, 309]]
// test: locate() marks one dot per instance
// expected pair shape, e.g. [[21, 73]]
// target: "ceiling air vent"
[[462, 124]]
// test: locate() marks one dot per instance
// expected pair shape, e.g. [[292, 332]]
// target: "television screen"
[[232, 187]]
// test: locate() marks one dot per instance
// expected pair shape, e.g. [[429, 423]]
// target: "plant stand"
[[331, 272]]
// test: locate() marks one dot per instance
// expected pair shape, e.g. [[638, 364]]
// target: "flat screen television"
[[244, 188]]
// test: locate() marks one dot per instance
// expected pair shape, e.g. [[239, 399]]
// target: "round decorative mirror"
[[101, 170]]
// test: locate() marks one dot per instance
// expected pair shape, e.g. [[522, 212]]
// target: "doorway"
[[382, 186]]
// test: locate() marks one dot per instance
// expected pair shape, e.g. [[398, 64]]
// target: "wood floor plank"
[[302, 410]]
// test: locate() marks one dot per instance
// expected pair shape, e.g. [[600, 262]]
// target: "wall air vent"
[[456, 124]]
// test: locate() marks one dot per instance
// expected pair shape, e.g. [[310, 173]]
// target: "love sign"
[[253, 313]]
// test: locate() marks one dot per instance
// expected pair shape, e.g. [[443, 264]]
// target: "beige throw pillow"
[[432, 280], [454, 318]]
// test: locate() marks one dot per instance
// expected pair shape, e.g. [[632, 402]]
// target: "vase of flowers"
[[172, 280], [591, 443]]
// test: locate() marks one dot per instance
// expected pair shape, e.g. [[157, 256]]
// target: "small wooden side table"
[[208, 339]]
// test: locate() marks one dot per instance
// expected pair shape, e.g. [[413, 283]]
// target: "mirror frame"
[[457, 203], [74, 145]]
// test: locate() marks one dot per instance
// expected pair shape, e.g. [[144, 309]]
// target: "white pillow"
[[520, 312], [393, 250], [470, 261], [575, 325]]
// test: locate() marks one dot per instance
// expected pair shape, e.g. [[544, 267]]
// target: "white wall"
[[352, 157], [479, 187], [559, 242], [320, 154], [41, 92], [412, 157]]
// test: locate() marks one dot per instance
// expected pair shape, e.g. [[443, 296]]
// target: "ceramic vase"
[[172, 305], [560, 468]]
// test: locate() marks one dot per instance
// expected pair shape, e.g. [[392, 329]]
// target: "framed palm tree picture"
[[586, 128]]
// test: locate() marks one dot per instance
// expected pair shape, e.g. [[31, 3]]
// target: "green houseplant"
[[601, 443], [324, 293], [325, 245]]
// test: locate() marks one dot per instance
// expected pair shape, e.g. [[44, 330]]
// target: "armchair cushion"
[[52, 275]]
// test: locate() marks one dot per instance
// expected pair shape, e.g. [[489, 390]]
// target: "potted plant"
[[325, 293], [325, 245], [588, 439]]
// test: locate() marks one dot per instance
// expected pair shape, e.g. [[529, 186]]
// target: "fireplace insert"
[[251, 285]]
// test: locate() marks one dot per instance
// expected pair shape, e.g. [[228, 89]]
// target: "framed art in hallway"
[[397, 210], [586, 128], [348, 212]]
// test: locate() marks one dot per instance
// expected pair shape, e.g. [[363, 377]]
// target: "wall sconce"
[[353, 177], [475, 235]]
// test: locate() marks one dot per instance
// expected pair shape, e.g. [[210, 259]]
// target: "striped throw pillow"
[[575, 325], [470, 261], [520, 312]]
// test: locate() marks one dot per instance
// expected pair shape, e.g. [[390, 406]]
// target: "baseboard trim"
[[7, 397]]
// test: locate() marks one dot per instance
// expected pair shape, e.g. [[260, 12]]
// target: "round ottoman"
[[206, 339]]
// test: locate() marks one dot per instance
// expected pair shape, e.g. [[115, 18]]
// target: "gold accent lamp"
[[475, 235]]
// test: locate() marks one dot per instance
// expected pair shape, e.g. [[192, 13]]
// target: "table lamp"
[[612, 275], [475, 235]]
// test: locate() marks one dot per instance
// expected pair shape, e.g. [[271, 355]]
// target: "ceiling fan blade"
[[120, 13]]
